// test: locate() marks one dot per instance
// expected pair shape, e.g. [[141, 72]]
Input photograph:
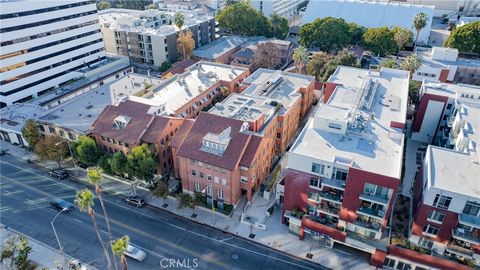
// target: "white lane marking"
[[226, 239], [180, 228], [52, 210], [103, 231], [79, 221]]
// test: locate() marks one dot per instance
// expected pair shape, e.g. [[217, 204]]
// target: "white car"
[[135, 253]]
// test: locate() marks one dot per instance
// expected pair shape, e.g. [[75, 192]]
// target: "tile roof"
[[156, 128], [251, 150], [206, 123], [182, 133]]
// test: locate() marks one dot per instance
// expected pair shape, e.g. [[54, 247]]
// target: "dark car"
[[135, 200], [61, 204], [60, 174]]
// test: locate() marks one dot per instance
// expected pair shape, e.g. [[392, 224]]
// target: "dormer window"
[[121, 121], [216, 143]]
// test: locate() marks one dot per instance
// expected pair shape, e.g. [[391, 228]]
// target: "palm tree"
[[411, 63], [419, 22], [300, 57], [95, 177], [84, 201], [401, 37], [179, 20], [118, 249]]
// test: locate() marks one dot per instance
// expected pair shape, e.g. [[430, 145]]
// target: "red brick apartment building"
[[223, 156], [344, 168]]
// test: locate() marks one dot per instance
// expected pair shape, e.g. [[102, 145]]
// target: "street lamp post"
[[65, 261], [71, 154]]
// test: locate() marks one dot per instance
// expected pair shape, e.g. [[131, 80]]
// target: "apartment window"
[[209, 177], [224, 171], [449, 106], [243, 179], [314, 182], [389, 263], [42, 128], [432, 230], [200, 164], [426, 243], [103, 138], [216, 180], [62, 133], [341, 175], [209, 190], [52, 130], [435, 216], [198, 187], [318, 168], [192, 161], [200, 174], [126, 144], [215, 168], [335, 126], [224, 181], [220, 194], [208, 166], [471, 208], [403, 266], [279, 135], [442, 201], [194, 173]]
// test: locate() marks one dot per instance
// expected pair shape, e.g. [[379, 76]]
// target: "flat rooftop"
[[366, 104], [426, 55], [244, 107], [218, 47], [278, 85], [180, 89]]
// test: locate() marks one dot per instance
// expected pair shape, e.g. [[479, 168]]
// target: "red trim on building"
[[422, 108], [296, 189], [318, 227], [328, 90], [394, 124], [443, 75], [445, 232], [425, 259], [378, 258]]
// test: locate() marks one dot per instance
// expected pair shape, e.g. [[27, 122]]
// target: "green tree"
[[95, 177], [184, 200], [118, 163], [411, 63], [401, 36], [119, 247], [343, 58], [242, 19], [141, 163], [9, 249], [104, 164], [21, 260], [179, 20], [389, 63], [151, 6], [316, 66], [87, 151], [84, 200], [103, 5], [419, 22], [356, 33], [413, 89], [327, 33], [165, 66], [380, 41], [161, 190], [300, 57], [31, 133], [465, 38], [52, 148], [185, 44], [279, 26], [198, 199]]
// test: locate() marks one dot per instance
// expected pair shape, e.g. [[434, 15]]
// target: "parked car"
[[61, 204], [135, 200], [60, 174], [135, 253]]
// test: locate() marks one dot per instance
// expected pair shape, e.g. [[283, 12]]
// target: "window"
[[314, 182], [471, 208], [209, 190], [442, 201], [42, 128], [62, 133], [403, 266], [192, 161], [224, 171], [198, 187], [435, 216], [200, 174], [209, 177], [194, 173], [317, 168], [224, 181], [220, 194], [200, 164], [334, 126], [429, 229], [103, 138], [243, 179], [389, 263], [208, 166], [341, 175], [216, 180], [425, 243], [449, 106], [52, 130], [279, 135]]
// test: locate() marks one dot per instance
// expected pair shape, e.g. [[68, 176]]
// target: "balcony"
[[371, 212], [334, 183], [466, 236], [371, 226], [469, 220], [374, 198], [459, 250], [313, 197], [328, 210], [331, 197]]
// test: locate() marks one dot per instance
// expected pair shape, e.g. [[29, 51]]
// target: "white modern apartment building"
[[149, 36], [43, 43], [284, 8]]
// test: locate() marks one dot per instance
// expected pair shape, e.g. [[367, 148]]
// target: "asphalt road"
[[171, 242]]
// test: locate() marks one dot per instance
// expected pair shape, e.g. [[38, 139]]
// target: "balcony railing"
[[469, 220], [328, 210], [372, 226], [467, 236], [371, 212], [334, 183], [332, 197], [453, 248], [313, 196], [374, 198]]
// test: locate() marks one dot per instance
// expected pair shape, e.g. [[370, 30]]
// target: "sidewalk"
[[44, 256], [275, 235]]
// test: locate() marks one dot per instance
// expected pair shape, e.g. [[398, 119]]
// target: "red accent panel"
[[355, 185], [318, 227], [422, 108], [443, 75], [296, 189], [318, 85], [420, 220], [329, 88], [425, 259], [378, 258], [397, 125]]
